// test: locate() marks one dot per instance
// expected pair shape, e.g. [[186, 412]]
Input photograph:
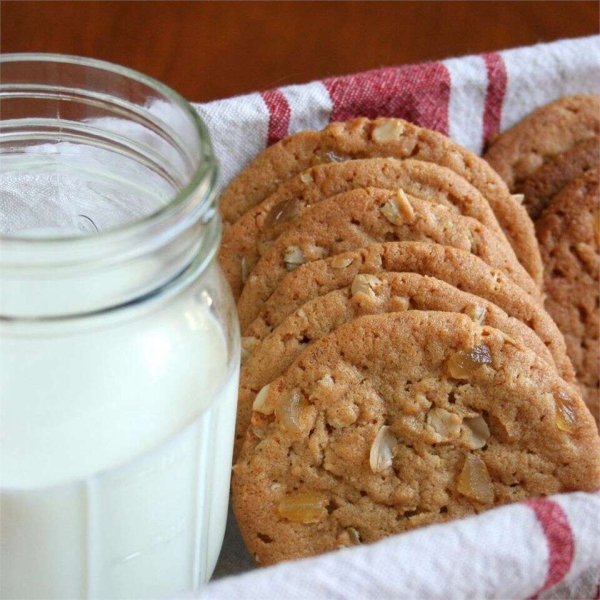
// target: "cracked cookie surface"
[[401, 420], [248, 239], [272, 352], [569, 235], [548, 131], [547, 181], [361, 217], [383, 137], [454, 266]]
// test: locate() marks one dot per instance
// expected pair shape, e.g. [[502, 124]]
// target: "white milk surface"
[[115, 454]]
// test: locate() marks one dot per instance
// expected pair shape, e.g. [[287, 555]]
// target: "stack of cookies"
[[399, 368], [553, 159]]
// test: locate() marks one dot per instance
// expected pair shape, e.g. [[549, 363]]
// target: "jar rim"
[[206, 169]]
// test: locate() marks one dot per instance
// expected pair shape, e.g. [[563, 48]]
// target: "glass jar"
[[119, 343]]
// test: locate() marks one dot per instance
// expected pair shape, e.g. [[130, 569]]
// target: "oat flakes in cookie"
[[547, 132], [401, 420], [457, 267], [270, 356], [361, 217], [383, 137], [569, 236], [251, 236]]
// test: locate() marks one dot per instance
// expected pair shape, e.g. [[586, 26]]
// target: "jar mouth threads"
[[92, 113], [106, 176]]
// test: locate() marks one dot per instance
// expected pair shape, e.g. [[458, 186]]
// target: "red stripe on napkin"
[[417, 93], [494, 95], [279, 115], [559, 536]]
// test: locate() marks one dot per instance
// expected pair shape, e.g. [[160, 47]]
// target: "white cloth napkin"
[[517, 551], [547, 548]]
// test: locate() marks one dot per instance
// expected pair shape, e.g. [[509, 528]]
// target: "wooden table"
[[209, 50]]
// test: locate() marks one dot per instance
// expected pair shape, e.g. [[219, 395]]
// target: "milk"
[[115, 452]]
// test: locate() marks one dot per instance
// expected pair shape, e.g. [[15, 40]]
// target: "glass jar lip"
[[206, 169]]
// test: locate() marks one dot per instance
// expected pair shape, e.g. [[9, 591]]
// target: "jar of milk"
[[119, 344]]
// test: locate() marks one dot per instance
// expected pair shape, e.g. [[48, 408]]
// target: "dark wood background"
[[209, 50]]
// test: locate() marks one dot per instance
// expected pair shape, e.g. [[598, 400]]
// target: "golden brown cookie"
[[456, 267], [361, 217], [401, 420], [384, 137], [547, 181], [569, 235], [244, 242], [266, 359], [548, 131]]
